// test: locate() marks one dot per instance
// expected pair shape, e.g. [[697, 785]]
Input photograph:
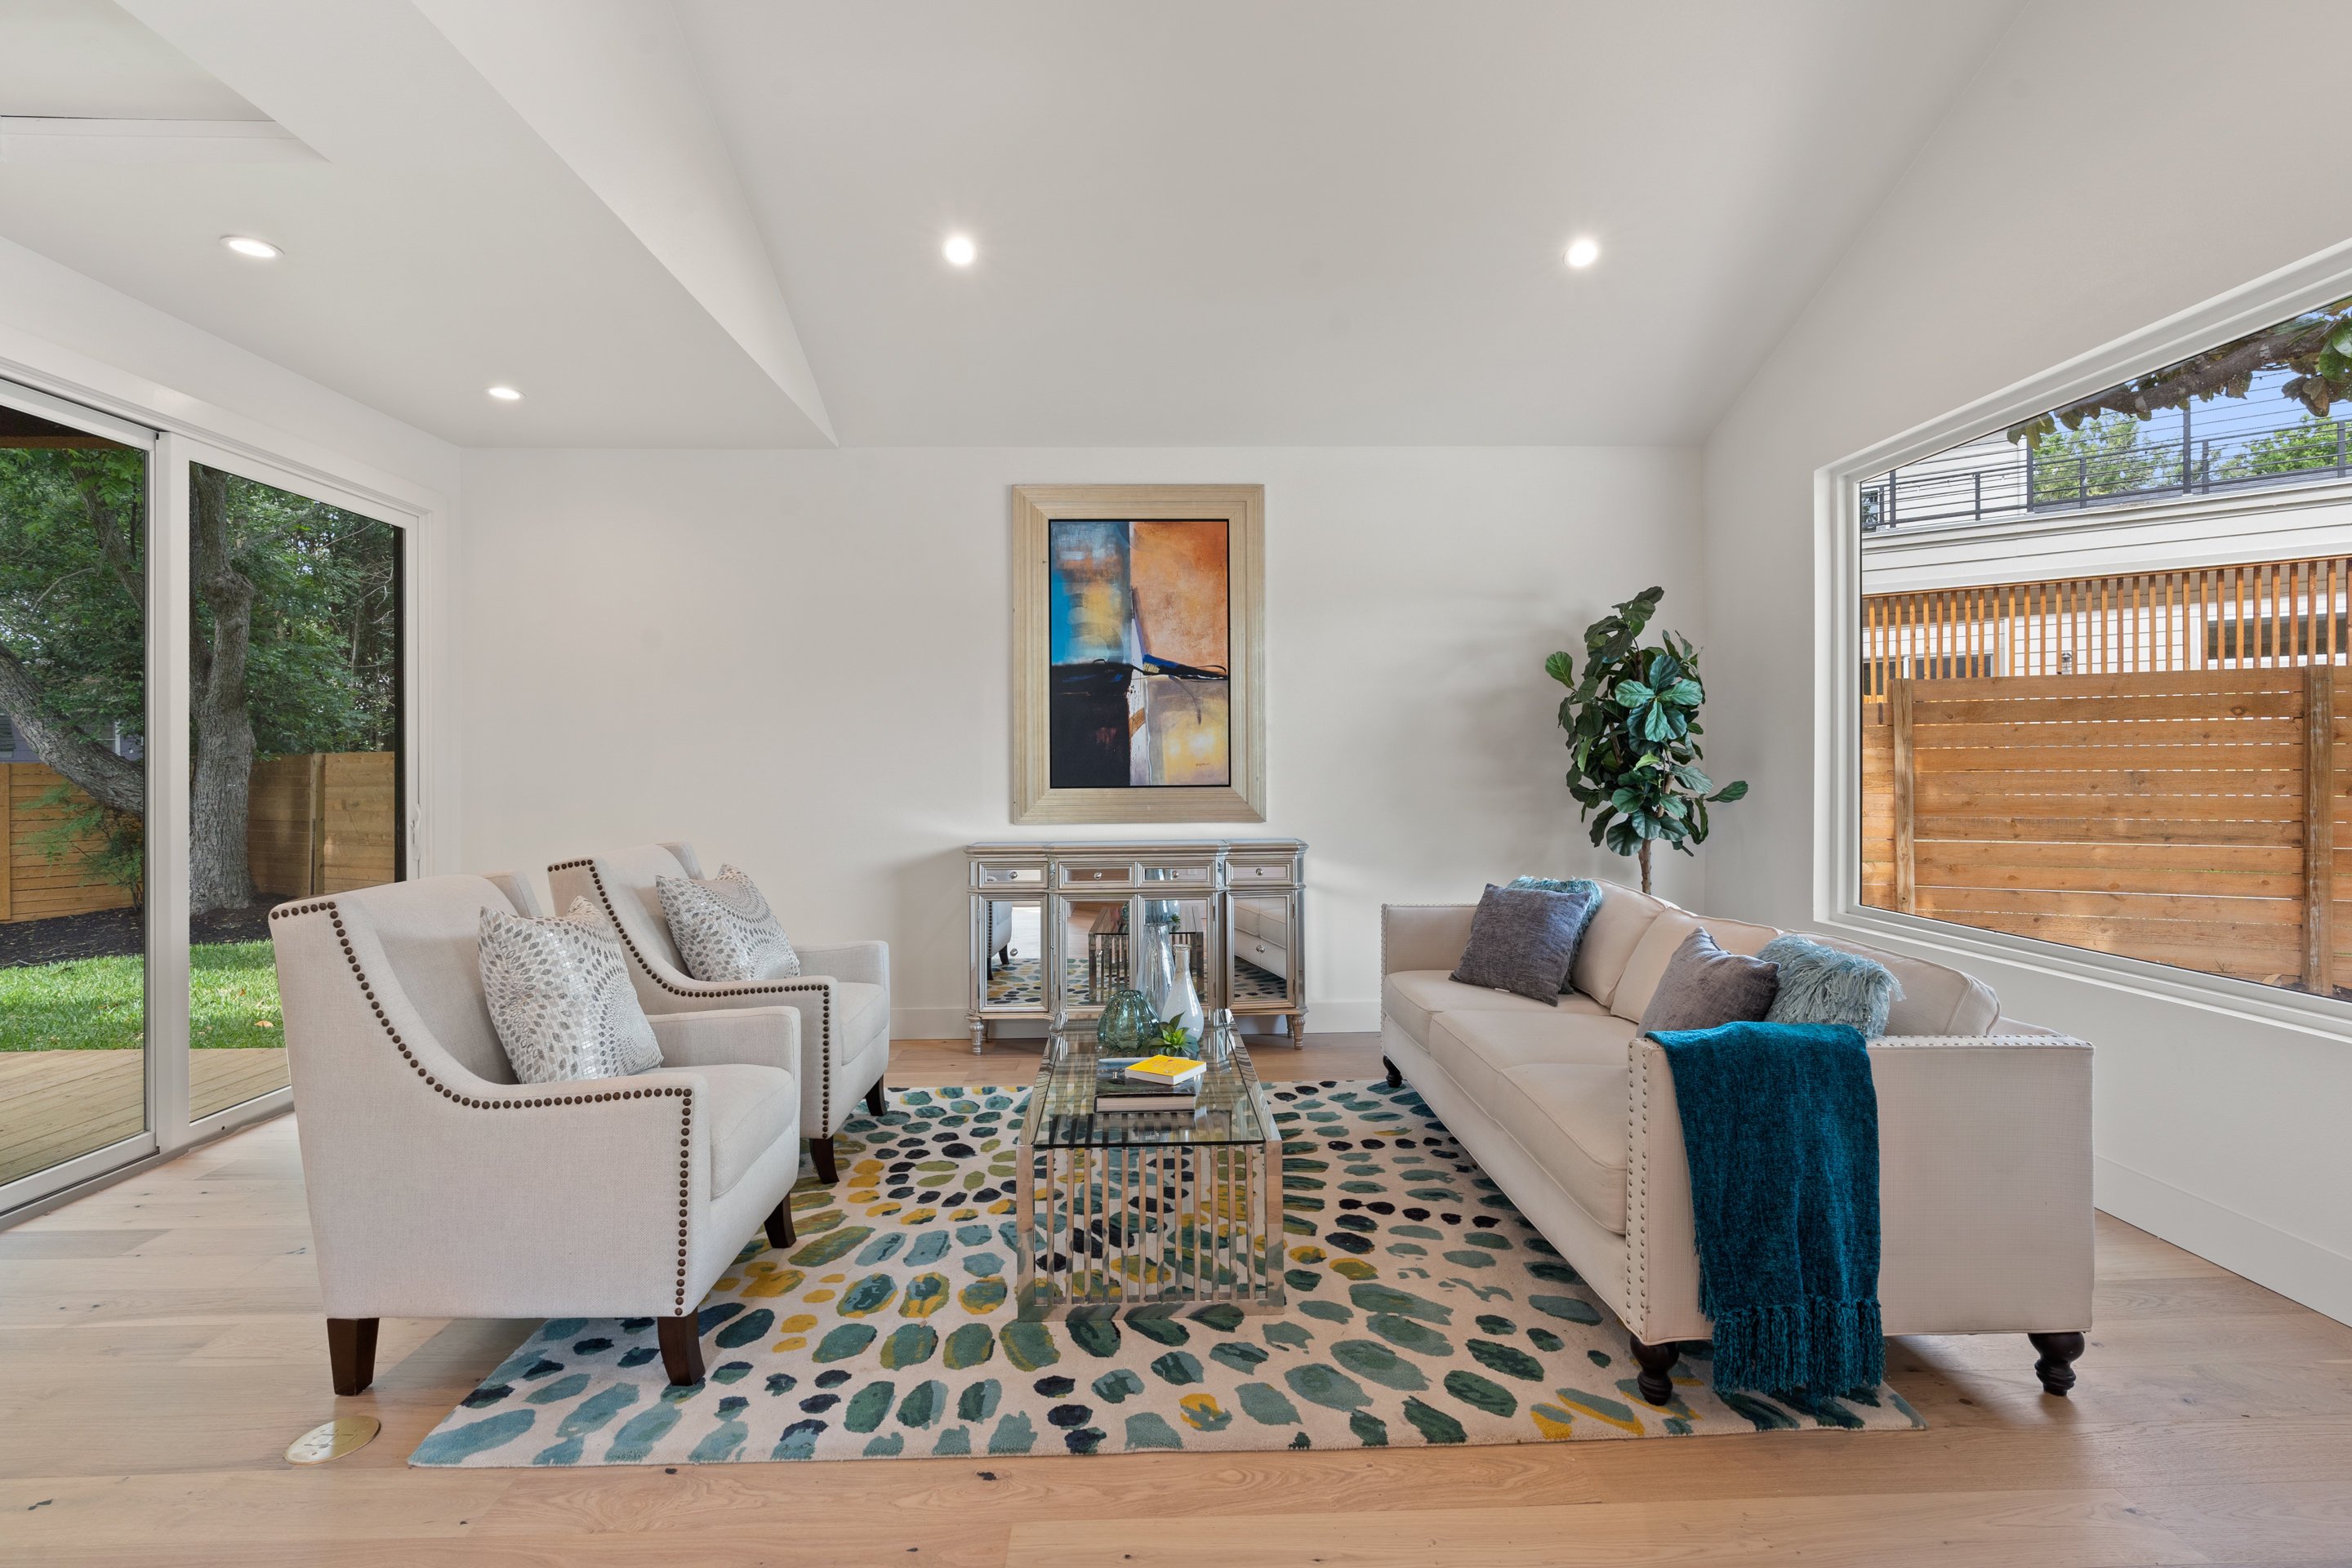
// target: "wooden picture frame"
[[1036, 797]]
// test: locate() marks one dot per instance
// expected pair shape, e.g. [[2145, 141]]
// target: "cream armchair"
[[439, 1187], [842, 993]]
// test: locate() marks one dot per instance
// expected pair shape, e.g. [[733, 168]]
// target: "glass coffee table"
[[1145, 1213]]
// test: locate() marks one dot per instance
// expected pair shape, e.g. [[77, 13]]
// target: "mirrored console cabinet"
[[1052, 927]]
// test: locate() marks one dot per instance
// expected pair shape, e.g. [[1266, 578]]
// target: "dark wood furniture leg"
[[780, 1226], [821, 1150], [2059, 1352], [1657, 1383], [1396, 1079], [351, 1353], [874, 1100], [681, 1348]]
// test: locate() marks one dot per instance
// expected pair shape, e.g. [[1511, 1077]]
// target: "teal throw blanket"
[[1780, 1122]]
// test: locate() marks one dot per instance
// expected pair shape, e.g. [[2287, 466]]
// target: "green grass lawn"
[[93, 1004]]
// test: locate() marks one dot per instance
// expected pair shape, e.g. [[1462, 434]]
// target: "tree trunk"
[[219, 875], [1645, 865], [109, 779]]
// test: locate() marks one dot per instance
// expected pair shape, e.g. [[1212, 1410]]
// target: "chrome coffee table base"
[[1147, 1213]]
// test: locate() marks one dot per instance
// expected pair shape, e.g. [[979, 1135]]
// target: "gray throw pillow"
[[1822, 985], [1575, 887], [559, 997], [1705, 986], [724, 929], [1522, 939]]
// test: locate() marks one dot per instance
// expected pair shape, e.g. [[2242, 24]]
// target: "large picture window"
[[2107, 679]]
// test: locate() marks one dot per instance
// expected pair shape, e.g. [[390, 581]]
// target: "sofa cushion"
[[1608, 940], [1572, 1119], [1411, 995], [1476, 1049], [558, 995], [1522, 939], [1647, 962], [1937, 998], [1705, 987], [724, 929], [751, 1108], [1825, 984]]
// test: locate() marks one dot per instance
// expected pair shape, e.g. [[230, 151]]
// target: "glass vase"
[[1128, 1027], [1166, 982]]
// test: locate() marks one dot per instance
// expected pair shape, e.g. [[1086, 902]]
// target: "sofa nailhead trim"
[[824, 1021], [683, 1095]]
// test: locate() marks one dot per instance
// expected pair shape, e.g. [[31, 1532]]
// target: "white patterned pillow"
[[560, 999], [724, 929]]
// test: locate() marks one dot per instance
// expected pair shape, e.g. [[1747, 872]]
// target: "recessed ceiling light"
[[506, 393], [959, 250], [246, 245], [1582, 253]]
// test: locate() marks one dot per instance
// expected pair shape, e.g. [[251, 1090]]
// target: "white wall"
[[2093, 212], [801, 662]]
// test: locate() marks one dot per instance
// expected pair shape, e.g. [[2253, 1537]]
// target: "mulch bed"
[[120, 933]]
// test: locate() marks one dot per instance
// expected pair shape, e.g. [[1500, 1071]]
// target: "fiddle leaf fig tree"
[[1632, 727]]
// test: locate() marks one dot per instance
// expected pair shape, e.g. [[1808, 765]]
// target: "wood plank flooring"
[[159, 1345], [54, 1105]]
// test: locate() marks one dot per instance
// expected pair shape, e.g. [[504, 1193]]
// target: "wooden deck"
[[161, 1343], [54, 1105]]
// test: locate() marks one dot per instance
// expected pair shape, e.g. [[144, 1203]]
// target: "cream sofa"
[[1984, 1130]]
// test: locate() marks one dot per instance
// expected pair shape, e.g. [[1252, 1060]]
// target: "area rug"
[[1423, 1310]]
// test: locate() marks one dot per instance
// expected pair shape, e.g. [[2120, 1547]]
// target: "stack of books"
[[1148, 1083]]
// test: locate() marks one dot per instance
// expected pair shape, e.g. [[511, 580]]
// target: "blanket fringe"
[[1817, 1346]]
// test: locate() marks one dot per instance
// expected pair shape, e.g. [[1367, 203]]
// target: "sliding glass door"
[[294, 734], [203, 696], [74, 789]]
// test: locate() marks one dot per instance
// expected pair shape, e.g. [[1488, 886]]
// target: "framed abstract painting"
[[1138, 629]]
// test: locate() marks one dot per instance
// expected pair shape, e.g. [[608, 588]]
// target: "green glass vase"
[[1128, 1027]]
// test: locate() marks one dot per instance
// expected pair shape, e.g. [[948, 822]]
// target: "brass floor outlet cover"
[[334, 1439]]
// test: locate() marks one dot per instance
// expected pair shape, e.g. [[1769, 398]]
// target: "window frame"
[[1837, 711]]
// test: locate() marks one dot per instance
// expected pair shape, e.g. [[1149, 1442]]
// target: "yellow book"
[[1165, 1069]]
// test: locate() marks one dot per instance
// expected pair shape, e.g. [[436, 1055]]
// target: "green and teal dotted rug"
[[1423, 1310]]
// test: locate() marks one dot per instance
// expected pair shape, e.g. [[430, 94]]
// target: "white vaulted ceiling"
[[719, 223]]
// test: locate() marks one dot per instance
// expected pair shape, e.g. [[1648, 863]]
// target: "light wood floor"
[[159, 1345], [54, 1105]]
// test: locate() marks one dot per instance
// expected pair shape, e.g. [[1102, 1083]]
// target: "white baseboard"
[[2300, 1270], [928, 1024], [947, 1023]]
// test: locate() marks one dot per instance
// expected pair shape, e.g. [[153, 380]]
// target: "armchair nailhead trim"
[[825, 992], [685, 1096]]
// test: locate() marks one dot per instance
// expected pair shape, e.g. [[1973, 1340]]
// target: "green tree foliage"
[[2311, 445], [1632, 735], [2317, 346], [2102, 458], [321, 668]]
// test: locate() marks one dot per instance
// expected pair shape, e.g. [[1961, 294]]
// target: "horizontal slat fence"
[[2261, 615], [319, 823], [35, 888], [2187, 818]]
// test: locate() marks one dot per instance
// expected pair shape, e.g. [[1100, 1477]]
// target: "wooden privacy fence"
[[322, 824], [2188, 818], [2256, 616], [318, 824]]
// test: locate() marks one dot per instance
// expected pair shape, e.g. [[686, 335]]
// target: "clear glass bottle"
[[1166, 979]]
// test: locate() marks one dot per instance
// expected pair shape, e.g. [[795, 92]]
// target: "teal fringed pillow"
[[1820, 984], [1583, 888]]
